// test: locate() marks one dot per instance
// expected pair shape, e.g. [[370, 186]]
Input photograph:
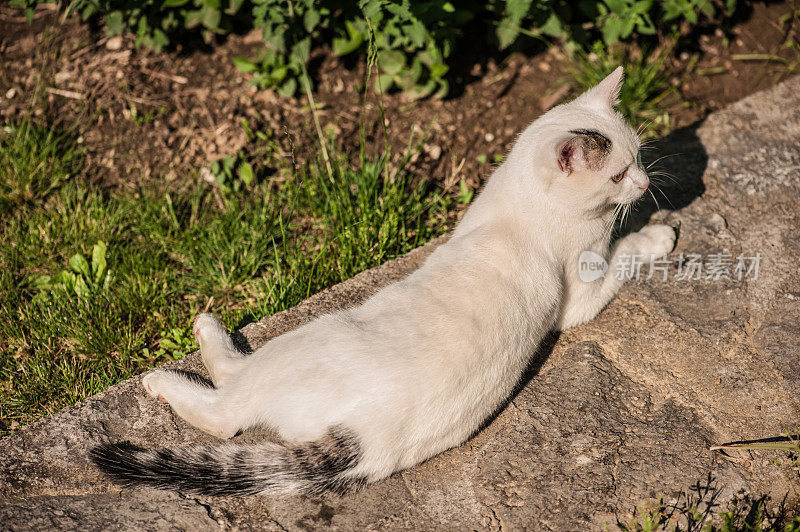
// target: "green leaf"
[[465, 192], [438, 70], [246, 173], [244, 64], [416, 32], [79, 265], [88, 11], [612, 29], [302, 49], [392, 61], [342, 46], [616, 6], [372, 9], [288, 88], [159, 40], [311, 19], [276, 75], [506, 33], [107, 281], [552, 26], [211, 18], [81, 288], [384, 82], [173, 3], [417, 92], [234, 6], [114, 23], [42, 282], [517, 9], [99, 261]]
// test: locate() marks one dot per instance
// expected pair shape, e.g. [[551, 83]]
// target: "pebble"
[[434, 151], [62, 77], [114, 43], [10, 93], [717, 222], [489, 137]]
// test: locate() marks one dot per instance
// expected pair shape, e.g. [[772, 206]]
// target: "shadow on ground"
[[676, 164]]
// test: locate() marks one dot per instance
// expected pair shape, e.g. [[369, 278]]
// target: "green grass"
[[646, 86], [72, 324], [33, 162]]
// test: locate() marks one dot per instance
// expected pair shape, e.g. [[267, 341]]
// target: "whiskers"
[[643, 127], [657, 176], [621, 211], [656, 180]]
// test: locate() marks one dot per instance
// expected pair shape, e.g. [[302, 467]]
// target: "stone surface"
[[611, 414]]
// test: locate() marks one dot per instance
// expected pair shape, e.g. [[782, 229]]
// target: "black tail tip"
[[117, 460]]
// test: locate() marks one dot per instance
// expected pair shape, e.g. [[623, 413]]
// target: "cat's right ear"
[[605, 93]]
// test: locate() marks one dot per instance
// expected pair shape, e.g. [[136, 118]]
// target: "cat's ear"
[[586, 150], [606, 93]]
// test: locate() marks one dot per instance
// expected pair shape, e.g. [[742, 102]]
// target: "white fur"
[[418, 367]]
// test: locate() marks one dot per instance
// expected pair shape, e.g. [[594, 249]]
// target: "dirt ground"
[[146, 117]]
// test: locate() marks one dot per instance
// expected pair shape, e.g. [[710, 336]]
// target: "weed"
[[698, 509], [646, 83], [83, 278], [465, 193], [232, 173]]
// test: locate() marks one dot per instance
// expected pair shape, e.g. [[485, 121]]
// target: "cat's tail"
[[234, 469]]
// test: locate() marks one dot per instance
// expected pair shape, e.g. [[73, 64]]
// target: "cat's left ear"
[[606, 93]]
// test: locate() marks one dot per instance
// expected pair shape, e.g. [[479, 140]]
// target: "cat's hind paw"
[[206, 325], [153, 384]]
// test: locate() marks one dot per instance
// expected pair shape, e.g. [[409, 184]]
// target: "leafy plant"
[[646, 83], [414, 40], [232, 173], [465, 193], [156, 22], [83, 278], [175, 343]]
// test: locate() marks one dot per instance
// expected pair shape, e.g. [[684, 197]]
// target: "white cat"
[[416, 369]]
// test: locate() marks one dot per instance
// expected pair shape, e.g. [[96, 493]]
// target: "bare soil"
[[147, 117]]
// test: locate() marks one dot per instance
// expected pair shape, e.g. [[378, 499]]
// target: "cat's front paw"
[[652, 241], [153, 384]]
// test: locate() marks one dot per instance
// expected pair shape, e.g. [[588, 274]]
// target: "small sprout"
[[82, 279], [465, 193]]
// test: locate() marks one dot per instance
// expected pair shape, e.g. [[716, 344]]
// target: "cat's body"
[[418, 367]]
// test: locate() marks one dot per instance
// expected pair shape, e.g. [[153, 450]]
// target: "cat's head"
[[583, 153]]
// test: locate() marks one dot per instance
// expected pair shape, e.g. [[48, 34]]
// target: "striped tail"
[[231, 469]]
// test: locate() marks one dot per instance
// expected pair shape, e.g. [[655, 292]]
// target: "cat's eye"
[[617, 178]]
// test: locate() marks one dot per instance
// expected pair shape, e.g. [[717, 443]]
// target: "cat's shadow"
[[676, 164]]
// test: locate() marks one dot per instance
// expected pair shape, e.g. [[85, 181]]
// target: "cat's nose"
[[644, 187]]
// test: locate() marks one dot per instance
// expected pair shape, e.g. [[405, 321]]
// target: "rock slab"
[[611, 414]]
